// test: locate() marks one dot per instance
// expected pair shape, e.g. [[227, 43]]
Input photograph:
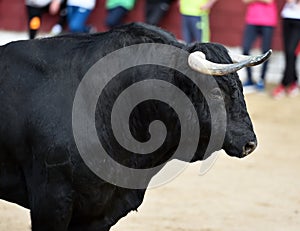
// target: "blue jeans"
[[77, 18], [190, 28], [115, 16], [250, 34], [195, 28]]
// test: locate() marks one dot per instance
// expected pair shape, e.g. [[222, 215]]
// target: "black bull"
[[40, 166]]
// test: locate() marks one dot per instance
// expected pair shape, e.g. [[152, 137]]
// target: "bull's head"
[[212, 59], [163, 110], [151, 102]]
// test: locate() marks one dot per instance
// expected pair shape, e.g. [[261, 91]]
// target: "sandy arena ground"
[[258, 193]]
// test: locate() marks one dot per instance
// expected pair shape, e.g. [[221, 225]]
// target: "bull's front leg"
[[51, 196]]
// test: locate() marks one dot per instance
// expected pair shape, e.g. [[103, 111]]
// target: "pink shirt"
[[261, 14]]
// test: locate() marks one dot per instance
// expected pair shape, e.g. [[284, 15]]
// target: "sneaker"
[[56, 29], [92, 30], [260, 85], [248, 87], [248, 83], [292, 90], [278, 92]]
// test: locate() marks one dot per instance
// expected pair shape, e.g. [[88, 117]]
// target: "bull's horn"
[[198, 62], [254, 60]]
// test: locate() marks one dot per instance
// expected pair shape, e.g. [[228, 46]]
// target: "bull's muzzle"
[[249, 147]]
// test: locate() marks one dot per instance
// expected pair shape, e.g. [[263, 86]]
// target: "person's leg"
[[77, 18], [70, 12], [185, 27], [149, 12], [115, 16], [196, 28], [62, 20], [155, 12], [267, 35], [249, 37], [291, 36], [63, 14], [34, 20]]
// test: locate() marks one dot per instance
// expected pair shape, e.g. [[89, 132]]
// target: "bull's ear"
[[198, 62]]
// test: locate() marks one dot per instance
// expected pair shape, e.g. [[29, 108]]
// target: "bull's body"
[[40, 167]]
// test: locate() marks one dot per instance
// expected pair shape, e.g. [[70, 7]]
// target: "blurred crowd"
[[74, 14], [261, 19]]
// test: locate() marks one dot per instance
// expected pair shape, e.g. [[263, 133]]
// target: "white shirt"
[[291, 10], [37, 3], [87, 4]]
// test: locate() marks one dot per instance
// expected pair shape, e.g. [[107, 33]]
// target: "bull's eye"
[[216, 94]]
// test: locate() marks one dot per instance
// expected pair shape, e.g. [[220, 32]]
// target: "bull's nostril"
[[249, 147]]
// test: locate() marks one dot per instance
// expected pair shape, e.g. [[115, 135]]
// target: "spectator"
[[78, 12], [291, 36], [261, 20], [155, 10], [116, 11], [62, 21], [35, 9], [195, 19]]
